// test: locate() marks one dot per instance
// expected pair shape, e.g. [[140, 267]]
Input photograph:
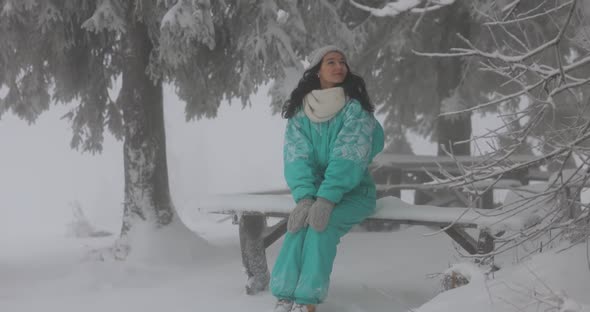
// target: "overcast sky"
[[40, 175]]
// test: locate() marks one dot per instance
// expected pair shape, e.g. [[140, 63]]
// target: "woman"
[[331, 138]]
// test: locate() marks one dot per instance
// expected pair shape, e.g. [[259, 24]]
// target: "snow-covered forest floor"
[[44, 268], [373, 272]]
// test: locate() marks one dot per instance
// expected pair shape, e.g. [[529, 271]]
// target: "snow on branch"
[[524, 18], [393, 9], [49, 12], [542, 97], [107, 16], [12, 7], [187, 22], [514, 66]]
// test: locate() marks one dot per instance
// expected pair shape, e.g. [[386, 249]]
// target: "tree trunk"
[[147, 194], [450, 75], [449, 130]]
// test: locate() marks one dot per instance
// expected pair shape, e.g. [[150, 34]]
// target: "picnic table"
[[392, 173], [396, 172]]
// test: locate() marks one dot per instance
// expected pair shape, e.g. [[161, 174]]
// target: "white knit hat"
[[316, 56]]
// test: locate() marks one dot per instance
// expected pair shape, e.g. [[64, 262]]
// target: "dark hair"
[[353, 85]]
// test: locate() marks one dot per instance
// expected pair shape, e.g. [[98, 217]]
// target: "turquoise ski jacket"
[[330, 159]]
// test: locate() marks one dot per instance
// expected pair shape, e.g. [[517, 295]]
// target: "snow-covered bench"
[[250, 212]]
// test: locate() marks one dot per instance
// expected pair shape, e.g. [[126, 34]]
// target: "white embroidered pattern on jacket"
[[317, 127], [296, 146], [356, 137]]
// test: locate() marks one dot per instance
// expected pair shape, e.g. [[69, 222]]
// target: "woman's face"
[[333, 70]]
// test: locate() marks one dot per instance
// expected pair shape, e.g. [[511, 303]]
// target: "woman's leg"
[[319, 248], [285, 272]]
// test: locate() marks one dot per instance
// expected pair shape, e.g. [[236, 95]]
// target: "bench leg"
[[254, 253], [463, 239], [483, 245], [485, 242], [272, 234]]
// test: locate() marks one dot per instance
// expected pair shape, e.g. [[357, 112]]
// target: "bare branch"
[[522, 19], [535, 71]]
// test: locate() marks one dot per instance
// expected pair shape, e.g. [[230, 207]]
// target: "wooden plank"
[[485, 243], [486, 201], [280, 191], [272, 234], [425, 223], [387, 163], [397, 221], [537, 175], [388, 208], [441, 201], [410, 162], [250, 254], [463, 239], [482, 185]]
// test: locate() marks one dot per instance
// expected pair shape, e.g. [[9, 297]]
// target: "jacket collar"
[[323, 105]]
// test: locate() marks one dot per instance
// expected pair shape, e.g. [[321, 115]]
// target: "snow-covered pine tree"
[[529, 61], [413, 90], [59, 51], [413, 78]]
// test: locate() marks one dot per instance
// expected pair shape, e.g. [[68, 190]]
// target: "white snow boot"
[[283, 306], [303, 308]]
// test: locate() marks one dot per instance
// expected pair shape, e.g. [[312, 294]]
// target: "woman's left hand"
[[319, 214]]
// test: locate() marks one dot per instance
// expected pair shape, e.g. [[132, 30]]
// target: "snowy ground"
[[373, 272], [43, 269], [55, 274]]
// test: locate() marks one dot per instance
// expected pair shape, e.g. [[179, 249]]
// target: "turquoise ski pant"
[[302, 270]]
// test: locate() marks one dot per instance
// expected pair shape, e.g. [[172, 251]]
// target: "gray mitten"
[[299, 215], [319, 214]]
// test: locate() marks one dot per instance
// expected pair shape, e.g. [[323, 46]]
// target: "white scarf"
[[322, 105]]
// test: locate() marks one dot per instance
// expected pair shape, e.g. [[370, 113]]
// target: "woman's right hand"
[[298, 216]]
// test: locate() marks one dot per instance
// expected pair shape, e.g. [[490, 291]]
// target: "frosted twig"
[[517, 20]]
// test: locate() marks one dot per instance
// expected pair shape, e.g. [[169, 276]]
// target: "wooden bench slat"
[[388, 208]]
